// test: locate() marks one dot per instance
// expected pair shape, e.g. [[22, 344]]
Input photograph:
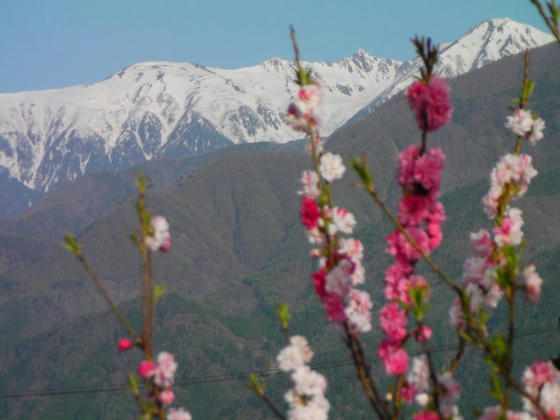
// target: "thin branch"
[[549, 22], [460, 350], [363, 373], [105, 295]]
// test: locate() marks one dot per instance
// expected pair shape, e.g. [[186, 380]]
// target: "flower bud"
[[124, 344]]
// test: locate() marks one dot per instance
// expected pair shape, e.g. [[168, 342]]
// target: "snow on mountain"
[[486, 42], [164, 109]]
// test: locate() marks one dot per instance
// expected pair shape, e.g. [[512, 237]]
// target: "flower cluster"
[[542, 381], [418, 384], [478, 279], [430, 103], [421, 215], [160, 239], [307, 397], [511, 176], [525, 124], [340, 259], [304, 111], [162, 375]]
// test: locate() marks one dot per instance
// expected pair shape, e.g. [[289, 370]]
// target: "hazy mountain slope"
[[476, 136], [238, 249]]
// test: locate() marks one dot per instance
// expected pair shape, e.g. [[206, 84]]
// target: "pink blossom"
[[334, 308], [451, 395], [422, 334], [539, 373], [393, 321], [395, 358], [146, 369], [310, 97], [309, 213], [536, 132], [178, 414], [358, 310], [339, 279], [124, 344], [319, 280], [419, 374], [343, 220], [296, 118], [413, 209], [296, 354], [428, 167], [308, 382], [523, 123], [160, 239], [516, 169], [331, 167], [509, 232], [165, 369], [430, 103], [408, 392], [457, 316], [166, 397], [406, 163], [351, 247], [482, 244], [397, 283], [399, 246], [520, 122], [533, 283], [309, 184]]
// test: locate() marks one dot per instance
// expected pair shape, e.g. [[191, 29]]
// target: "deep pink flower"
[[387, 347], [430, 103], [393, 321], [146, 369], [124, 344], [426, 415], [408, 392], [309, 213], [413, 209], [319, 280], [428, 167], [396, 282], [406, 162], [396, 363], [334, 308]]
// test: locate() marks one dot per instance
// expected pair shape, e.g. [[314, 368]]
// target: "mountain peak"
[[160, 108]]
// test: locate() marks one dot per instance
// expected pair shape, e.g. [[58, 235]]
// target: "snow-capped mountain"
[[164, 109]]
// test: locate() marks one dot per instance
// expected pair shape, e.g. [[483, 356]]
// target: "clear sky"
[[56, 43]]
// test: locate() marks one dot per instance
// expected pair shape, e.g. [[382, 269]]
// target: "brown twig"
[[549, 22], [105, 295]]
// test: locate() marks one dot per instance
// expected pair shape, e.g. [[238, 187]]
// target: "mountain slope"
[[163, 109], [238, 249]]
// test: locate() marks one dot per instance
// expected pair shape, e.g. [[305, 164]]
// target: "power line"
[[334, 364]]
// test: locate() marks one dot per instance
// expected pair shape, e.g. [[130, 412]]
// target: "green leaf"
[[133, 382], [159, 290], [70, 243], [283, 314], [496, 386], [360, 167]]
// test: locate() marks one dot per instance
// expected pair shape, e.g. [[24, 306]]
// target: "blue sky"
[[57, 43]]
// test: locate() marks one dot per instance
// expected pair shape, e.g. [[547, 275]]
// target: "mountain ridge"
[[163, 109]]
